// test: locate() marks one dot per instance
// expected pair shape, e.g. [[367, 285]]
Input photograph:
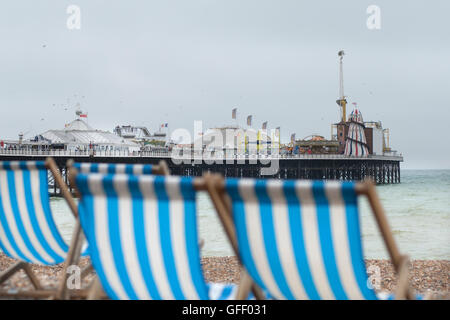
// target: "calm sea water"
[[418, 211]]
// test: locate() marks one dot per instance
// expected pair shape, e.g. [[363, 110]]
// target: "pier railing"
[[188, 155]]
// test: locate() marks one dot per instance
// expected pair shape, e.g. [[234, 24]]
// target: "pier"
[[381, 169]]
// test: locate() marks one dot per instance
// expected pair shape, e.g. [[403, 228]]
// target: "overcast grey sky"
[[149, 62]]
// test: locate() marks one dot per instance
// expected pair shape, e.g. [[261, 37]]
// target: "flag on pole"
[[264, 125], [249, 120], [277, 131], [293, 137], [278, 135], [233, 113]]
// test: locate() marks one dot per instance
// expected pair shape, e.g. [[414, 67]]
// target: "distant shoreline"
[[425, 275]]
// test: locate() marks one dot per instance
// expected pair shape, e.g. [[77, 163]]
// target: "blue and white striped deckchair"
[[28, 232], [301, 239], [114, 168], [142, 235]]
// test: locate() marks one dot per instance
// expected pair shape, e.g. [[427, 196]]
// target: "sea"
[[418, 211]]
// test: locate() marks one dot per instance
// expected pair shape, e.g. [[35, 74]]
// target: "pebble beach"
[[425, 276]]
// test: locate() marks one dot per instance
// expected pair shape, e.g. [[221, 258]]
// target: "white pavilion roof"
[[79, 132]]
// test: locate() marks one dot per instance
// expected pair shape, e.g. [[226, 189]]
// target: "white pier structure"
[[77, 137]]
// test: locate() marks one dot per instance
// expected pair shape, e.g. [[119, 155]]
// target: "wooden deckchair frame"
[[95, 291], [222, 203]]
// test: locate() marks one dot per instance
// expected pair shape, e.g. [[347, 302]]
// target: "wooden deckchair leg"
[[20, 265], [397, 259], [36, 284], [5, 275], [77, 237], [96, 291], [245, 285], [402, 291], [72, 258], [383, 225], [257, 292], [222, 209]]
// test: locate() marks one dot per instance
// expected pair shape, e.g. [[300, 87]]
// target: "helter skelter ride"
[[355, 143]]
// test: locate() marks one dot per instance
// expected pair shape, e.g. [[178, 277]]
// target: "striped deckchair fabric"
[[300, 239], [27, 229], [113, 168], [142, 233]]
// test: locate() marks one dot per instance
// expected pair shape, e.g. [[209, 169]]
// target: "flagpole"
[[234, 113], [279, 137]]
